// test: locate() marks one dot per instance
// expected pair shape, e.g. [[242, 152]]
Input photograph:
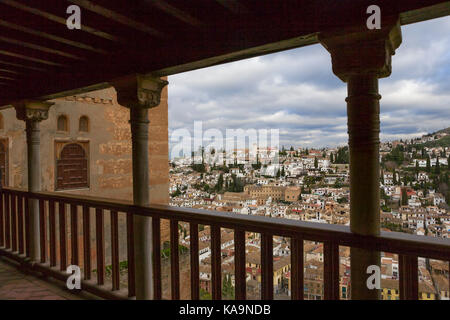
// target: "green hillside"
[[443, 142]]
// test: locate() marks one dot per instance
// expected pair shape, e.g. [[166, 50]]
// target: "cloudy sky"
[[296, 92]]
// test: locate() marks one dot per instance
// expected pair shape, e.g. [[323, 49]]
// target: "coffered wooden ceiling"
[[41, 58]]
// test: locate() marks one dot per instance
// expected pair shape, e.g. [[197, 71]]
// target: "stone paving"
[[15, 285]]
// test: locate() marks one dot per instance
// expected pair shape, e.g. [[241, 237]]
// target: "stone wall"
[[109, 139]]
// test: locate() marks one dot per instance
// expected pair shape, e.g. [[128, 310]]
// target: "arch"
[[72, 168], [63, 123], [83, 124]]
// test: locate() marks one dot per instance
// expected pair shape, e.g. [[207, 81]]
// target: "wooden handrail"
[[333, 236]]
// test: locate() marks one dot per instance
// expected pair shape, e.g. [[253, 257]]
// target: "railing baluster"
[[86, 243], [130, 256], [174, 260], [7, 221], [409, 287], [239, 267], [331, 270], [42, 229], [74, 234], [115, 250], [13, 222], [27, 226], [216, 263], [156, 232], [267, 267], [99, 228], [20, 223], [2, 224], [195, 275], [297, 269], [52, 232], [62, 237]]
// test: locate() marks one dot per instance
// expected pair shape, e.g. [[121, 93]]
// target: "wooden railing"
[[14, 243]]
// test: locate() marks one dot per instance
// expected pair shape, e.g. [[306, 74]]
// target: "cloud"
[[296, 92]]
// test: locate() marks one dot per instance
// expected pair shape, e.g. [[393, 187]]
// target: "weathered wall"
[[109, 137], [110, 163]]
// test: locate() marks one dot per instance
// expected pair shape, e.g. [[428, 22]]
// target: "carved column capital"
[[32, 110], [363, 52], [139, 91]]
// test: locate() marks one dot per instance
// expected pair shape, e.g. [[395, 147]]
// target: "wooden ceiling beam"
[[10, 53], [56, 18], [122, 19], [21, 65], [8, 71], [234, 6], [38, 34], [175, 12], [29, 23], [40, 48], [7, 78]]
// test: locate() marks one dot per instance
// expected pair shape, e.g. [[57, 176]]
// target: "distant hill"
[[447, 131], [443, 142]]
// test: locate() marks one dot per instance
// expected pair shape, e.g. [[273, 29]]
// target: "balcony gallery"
[[87, 181]]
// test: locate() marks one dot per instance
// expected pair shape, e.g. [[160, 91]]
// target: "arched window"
[[83, 124], [72, 168], [1, 122], [62, 123]]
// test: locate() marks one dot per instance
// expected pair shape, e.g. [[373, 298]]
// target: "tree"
[[219, 185], [438, 167], [382, 177], [283, 173], [428, 164], [227, 287], [342, 156], [316, 163], [176, 193], [394, 177], [331, 157]]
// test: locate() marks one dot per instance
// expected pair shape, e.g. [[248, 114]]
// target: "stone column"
[[360, 58], [33, 112], [139, 93]]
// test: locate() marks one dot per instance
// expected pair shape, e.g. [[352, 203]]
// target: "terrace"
[[132, 48]]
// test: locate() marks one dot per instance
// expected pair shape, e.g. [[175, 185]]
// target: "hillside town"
[[313, 185]]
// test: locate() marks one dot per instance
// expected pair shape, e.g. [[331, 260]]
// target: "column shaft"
[[142, 225], [34, 184], [140, 93], [363, 111]]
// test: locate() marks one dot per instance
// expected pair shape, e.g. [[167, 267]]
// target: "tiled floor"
[[15, 285]]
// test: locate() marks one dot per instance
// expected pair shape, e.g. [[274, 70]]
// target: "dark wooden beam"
[[8, 71], [28, 58], [234, 6], [175, 12], [56, 18], [32, 35], [122, 19], [21, 66], [40, 48]]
